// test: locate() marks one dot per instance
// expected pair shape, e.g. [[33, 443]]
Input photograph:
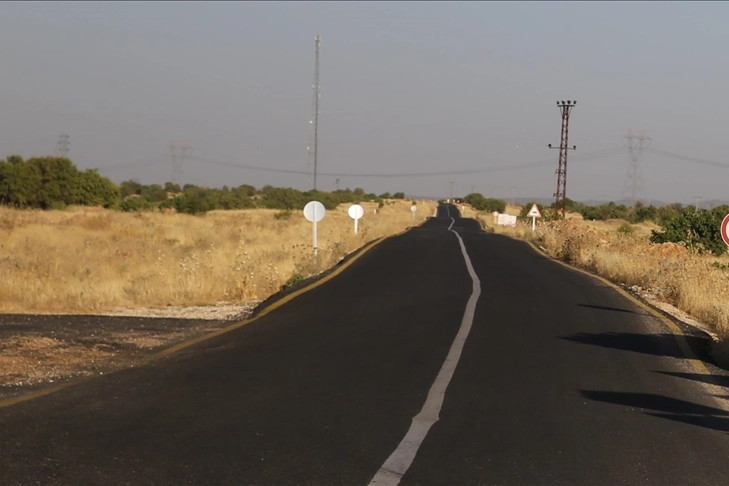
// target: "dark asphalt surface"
[[561, 381]]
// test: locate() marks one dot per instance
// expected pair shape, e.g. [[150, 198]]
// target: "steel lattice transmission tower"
[[187, 149], [634, 180], [176, 163], [63, 144], [178, 160], [314, 123], [566, 108]]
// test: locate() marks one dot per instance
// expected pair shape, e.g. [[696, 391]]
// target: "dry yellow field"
[[87, 260], [696, 284]]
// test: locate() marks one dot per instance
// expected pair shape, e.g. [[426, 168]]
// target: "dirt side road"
[[37, 350]]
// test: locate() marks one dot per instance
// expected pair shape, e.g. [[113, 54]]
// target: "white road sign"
[[355, 212], [506, 220], [534, 212], [314, 211]]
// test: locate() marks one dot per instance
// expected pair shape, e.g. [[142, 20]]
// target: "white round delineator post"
[[314, 211], [413, 208], [355, 212]]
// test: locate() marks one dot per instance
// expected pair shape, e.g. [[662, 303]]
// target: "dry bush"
[[86, 260]]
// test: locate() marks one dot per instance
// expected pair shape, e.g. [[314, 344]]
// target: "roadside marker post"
[[314, 211], [534, 214], [725, 229], [355, 212], [413, 208]]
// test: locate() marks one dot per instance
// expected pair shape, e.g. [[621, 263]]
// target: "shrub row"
[[55, 182]]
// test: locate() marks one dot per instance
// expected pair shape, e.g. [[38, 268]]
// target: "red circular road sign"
[[725, 229]]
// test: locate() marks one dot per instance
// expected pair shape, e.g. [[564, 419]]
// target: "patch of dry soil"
[[36, 350]]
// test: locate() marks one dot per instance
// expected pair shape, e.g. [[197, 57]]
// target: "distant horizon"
[[705, 204]]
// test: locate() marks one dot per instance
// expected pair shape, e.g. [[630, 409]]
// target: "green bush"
[[286, 214], [626, 229], [293, 280], [135, 204], [52, 183], [698, 230], [721, 266], [606, 211], [481, 203], [283, 198]]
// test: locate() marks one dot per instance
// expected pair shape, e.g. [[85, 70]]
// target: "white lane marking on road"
[[448, 211], [400, 460], [453, 221]]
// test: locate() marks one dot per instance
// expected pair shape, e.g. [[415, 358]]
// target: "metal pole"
[[561, 194], [314, 235], [316, 110]]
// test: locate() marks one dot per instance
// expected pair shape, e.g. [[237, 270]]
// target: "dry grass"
[[689, 281], [88, 260]]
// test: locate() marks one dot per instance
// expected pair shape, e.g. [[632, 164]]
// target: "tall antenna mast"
[[313, 148]]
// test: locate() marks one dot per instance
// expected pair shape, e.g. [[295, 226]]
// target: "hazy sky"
[[405, 87]]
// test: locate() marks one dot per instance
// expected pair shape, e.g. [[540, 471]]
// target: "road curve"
[[559, 380]]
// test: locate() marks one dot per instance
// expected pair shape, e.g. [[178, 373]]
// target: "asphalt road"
[[555, 378]]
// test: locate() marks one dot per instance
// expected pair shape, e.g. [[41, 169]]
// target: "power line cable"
[[528, 165], [129, 165], [687, 158]]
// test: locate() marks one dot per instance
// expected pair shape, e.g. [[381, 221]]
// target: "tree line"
[[55, 183]]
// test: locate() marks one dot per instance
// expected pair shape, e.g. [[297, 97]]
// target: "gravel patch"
[[41, 349]]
